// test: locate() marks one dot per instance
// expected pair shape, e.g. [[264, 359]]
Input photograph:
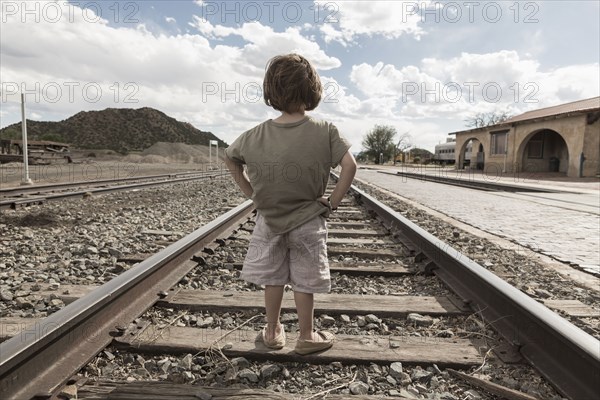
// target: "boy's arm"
[[347, 173], [237, 172]]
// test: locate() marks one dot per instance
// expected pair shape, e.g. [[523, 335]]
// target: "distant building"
[[445, 153], [563, 138]]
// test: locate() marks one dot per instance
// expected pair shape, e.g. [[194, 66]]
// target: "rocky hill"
[[119, 129]]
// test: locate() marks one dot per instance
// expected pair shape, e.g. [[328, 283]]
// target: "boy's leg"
[[305, 308], [309, 272], [273, 298]]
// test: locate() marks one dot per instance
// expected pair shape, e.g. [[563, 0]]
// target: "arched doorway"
[[471, 155], [544, 150]]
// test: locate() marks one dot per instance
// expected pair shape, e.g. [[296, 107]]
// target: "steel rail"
[[20, 190], [13, 203], [563, 353], [40, 359], [472, 184]]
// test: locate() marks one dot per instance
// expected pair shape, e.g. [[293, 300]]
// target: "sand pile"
[[163, 152]]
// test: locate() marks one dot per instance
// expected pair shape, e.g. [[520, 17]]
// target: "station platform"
[[562, 222]]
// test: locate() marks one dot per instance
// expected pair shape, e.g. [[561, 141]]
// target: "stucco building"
[[563, 138]]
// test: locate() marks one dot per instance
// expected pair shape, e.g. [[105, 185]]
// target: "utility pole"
[[210, 145], [26, 181]]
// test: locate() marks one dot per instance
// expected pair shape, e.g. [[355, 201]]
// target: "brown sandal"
[[304, 347]]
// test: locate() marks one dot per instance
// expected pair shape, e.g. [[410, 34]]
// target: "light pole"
[[210, 145], [26, 181]]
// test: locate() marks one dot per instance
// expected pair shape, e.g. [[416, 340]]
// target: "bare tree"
[[480, 120], [404, 143]]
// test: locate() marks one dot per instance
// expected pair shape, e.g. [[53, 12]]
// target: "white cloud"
[[474, 83], [345, 21], [69, 66], [209, 77], [170, 20], [264, 42]]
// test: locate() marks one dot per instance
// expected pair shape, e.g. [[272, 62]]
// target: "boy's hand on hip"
[[324, 201]]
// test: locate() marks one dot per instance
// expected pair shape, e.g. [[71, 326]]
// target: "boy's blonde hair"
[[290, 83]]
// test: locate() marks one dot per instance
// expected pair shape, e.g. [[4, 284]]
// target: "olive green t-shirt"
[[288, 168]]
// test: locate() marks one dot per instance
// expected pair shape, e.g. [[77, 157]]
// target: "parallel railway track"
[[488, 185], [38, 194], [71, 337]]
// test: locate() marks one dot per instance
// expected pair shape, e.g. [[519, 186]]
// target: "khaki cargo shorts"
[[298, 257]]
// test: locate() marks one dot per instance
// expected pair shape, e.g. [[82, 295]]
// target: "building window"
[[499, 142], [535, 147]]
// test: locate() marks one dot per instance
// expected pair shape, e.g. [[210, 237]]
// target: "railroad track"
[[39, 194], [471, 183], [381, 327]]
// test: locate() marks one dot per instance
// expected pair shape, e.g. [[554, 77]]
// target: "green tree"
[[380, 140], [10, 133]]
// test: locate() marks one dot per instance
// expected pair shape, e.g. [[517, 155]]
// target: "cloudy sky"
[[422, 67]]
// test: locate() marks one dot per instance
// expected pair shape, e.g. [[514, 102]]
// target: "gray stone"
[[472, 395], [420, 320], [419, 375], [6, 295], [186, 362], [405, 379], [327, 321], [165, 366], [446, 333], [205, 322], [336, 365], [23, 302], [269, 371], [396, 370], [376, 369], [358, 388], [56, 303], [240, 362], [542, 293], [372, 318], [345, 318], [421, 388], [361, 321]]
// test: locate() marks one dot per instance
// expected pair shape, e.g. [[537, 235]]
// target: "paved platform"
[[564, 226]]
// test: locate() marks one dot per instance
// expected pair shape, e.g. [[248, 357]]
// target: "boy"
[[288, 161]]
